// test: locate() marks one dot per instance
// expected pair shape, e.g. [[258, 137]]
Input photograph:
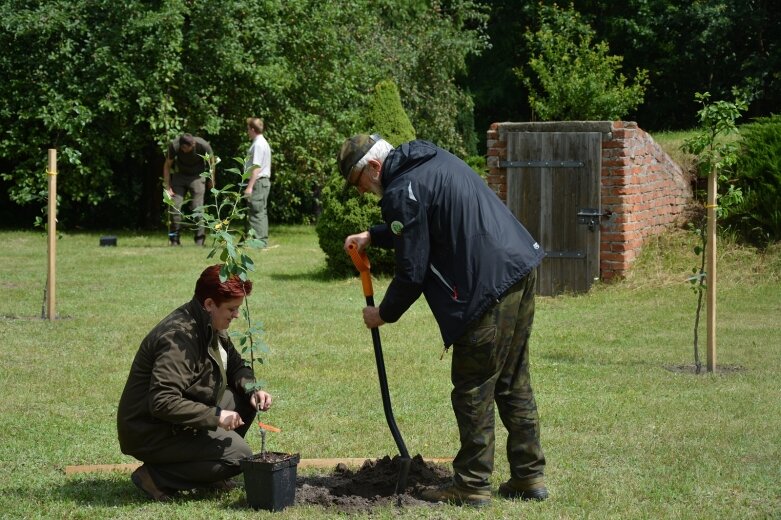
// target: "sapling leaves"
[[223, 219], [717, 158]]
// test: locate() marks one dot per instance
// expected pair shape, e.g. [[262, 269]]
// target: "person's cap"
[[353, 151], [186, 139]]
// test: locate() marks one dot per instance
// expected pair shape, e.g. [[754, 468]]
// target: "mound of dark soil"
[[371, 486]]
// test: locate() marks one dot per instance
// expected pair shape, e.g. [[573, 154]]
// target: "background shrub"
[[386, 112], [758, 172], [345, 211], [571, 77], [479, 164]]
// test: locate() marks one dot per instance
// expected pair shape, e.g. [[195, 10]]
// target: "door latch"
[[592, 217]]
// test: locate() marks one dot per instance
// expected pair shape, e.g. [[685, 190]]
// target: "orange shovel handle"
[[361, 262]]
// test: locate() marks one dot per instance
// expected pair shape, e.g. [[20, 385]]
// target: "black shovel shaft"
[[363, 265], [386, 402]]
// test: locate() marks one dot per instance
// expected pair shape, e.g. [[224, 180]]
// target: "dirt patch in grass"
[[371, 486], [14, 317], [692, 369]]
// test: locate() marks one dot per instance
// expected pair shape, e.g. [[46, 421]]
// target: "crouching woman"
[[184, 411]]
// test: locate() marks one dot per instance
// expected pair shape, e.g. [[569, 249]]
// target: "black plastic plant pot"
[[270, 480]]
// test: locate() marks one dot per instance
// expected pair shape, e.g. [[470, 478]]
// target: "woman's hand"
[[260, 400], [230, 420]]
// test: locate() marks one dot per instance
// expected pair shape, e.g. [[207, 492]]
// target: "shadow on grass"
[[101, 492], [692, 369], [320, 275], [580, 358], [113, 492], [16, 317], [576, 359]]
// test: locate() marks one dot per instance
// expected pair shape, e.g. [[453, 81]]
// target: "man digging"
[[457, 244]]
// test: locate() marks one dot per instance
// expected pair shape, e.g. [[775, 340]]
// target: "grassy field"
[[672, 141], [625, 435]]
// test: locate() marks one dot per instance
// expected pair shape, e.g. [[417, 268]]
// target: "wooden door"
[[553, 188]]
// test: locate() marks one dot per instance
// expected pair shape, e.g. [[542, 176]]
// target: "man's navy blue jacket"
[[454, 239]]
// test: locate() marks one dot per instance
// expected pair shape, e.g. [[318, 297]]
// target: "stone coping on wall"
[[604, 127]]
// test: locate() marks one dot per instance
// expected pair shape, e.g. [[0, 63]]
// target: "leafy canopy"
[[111, 82], [571, 77]]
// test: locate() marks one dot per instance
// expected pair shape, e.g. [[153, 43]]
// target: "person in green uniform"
[[184, 164], [185, 408]]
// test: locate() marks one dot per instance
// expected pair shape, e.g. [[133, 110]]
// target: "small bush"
[[345, 212], [478, 164], [387, 116], [758, 173], [572, 77]]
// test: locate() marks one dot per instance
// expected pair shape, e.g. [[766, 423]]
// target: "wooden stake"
[[710, 252], [51, 307]]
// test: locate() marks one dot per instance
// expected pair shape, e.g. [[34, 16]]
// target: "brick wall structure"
[[644, 190]]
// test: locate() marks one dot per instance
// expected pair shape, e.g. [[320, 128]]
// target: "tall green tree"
[[112, 82], [74, 79]]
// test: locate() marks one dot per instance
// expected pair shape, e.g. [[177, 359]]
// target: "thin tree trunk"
[[700, 290]]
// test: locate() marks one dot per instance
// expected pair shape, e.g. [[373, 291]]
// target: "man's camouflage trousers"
[[491, 364]]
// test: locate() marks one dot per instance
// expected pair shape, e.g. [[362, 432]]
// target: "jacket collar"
[[405, 157], [203, 320]]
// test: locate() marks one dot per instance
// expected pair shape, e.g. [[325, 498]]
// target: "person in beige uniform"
[[259, 183], [184, 410]]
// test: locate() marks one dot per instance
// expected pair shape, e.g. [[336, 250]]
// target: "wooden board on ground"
[[304, 463]]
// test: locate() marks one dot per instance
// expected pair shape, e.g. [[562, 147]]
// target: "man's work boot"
[[453, 494], [173, 238], [512, 489], [199, 240], [143, 481]]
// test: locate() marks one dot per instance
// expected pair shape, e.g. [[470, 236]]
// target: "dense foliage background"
[[687, 47], [109, 83]]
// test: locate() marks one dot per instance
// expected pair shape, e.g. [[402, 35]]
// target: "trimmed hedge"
[[345, 212], [758, 174]]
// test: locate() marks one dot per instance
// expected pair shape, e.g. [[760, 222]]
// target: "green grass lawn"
[[671, 142], [625, 437]]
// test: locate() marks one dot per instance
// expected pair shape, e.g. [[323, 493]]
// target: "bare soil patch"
[[371, 486], [692, 369]]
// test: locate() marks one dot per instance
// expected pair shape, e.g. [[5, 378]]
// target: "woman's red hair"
[[210, 286]]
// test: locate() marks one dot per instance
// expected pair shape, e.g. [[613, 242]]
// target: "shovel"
[[361, 262]]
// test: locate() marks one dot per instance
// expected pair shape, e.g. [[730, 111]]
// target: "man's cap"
[[186, 139], [353, 151]]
